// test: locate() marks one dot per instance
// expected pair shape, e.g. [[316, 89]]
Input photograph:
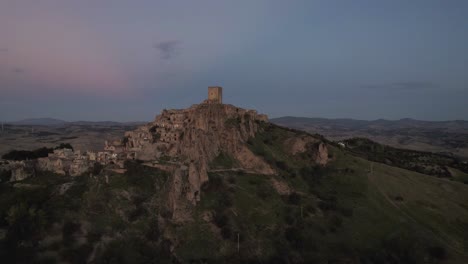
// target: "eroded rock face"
[[21, 170], [321, 156], [195, 136], [302, 143], [190, 139]]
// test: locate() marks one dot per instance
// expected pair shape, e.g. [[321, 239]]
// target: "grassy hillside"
[[433, 136], [350, 211], [424, 162]]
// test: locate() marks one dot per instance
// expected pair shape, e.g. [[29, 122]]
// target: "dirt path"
[[235, 170]]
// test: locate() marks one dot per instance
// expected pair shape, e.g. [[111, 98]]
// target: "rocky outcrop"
[[193, 138], [306, 143], [18, 170], [321, 154], [187, 141]]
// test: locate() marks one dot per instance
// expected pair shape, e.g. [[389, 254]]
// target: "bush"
[[232, 180], [27, 155], [153, 232], [77, 255], [69, 228], [134, 169], [294, 198], [37, 153], [437, 253], [347, 212], [334, 222], [64, 146], [282, 165], [294, 237], [223, 160], [215, 182], [137, 213], [5, 176], [220, 219], [327, 205], [97, 168], [226, 232], [25, 222]]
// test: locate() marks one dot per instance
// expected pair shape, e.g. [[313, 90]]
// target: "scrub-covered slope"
[[322, 204]]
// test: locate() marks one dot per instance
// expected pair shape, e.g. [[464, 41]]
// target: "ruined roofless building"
[[215, 94]]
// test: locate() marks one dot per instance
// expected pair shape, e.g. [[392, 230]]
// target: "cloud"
[[404, 86], [168, 49]]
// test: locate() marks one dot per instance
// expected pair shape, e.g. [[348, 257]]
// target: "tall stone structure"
[[215, 94]]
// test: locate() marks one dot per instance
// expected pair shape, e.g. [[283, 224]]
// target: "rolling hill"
[[350, 210], [450, 137]]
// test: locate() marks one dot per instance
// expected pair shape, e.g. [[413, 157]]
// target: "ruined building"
[[215, 94]]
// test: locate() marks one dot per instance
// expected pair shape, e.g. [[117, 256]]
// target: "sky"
[[123, 60]]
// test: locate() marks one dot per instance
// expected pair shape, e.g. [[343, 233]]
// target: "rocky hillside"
[[188, 141], [433, 136], [218, 184]]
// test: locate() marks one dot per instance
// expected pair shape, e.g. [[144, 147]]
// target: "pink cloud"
[[61, 53]]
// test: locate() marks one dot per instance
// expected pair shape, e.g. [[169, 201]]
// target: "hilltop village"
[[159, 143], [182, 142]]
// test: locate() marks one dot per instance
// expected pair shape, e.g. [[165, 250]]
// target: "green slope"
[[350, 211]]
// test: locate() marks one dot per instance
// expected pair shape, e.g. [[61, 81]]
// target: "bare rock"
[[281, 187]]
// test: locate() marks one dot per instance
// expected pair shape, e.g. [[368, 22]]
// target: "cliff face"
[[190, 139]]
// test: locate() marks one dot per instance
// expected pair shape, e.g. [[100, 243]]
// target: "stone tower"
[[215, 94]]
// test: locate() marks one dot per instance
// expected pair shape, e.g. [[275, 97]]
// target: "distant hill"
[[433, 136], [40, 122], [59, 122], [106, 123], [381, 123]]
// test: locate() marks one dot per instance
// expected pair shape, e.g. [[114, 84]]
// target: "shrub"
[[334, 222], [220, 219], [77, 255], [64, 146], [136, 213], [69, 228], [345, 211], [294, 237], [294, 198], [5, 175], [27, 155], [97, 168], [282, 165], [437, 253], [226, 232], [153, 232], [329, 205]]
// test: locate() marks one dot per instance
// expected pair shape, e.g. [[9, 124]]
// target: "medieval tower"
[[215, 94]]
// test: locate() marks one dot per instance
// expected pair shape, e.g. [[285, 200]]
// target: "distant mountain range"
[[59, 122]]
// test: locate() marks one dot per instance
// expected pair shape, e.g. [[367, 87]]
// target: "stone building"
[[215, 94]]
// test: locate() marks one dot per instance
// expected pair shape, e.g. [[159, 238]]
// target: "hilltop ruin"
[[183, 142]]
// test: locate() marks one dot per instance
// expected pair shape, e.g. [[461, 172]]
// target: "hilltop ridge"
[[188, 140], [215, 183]]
